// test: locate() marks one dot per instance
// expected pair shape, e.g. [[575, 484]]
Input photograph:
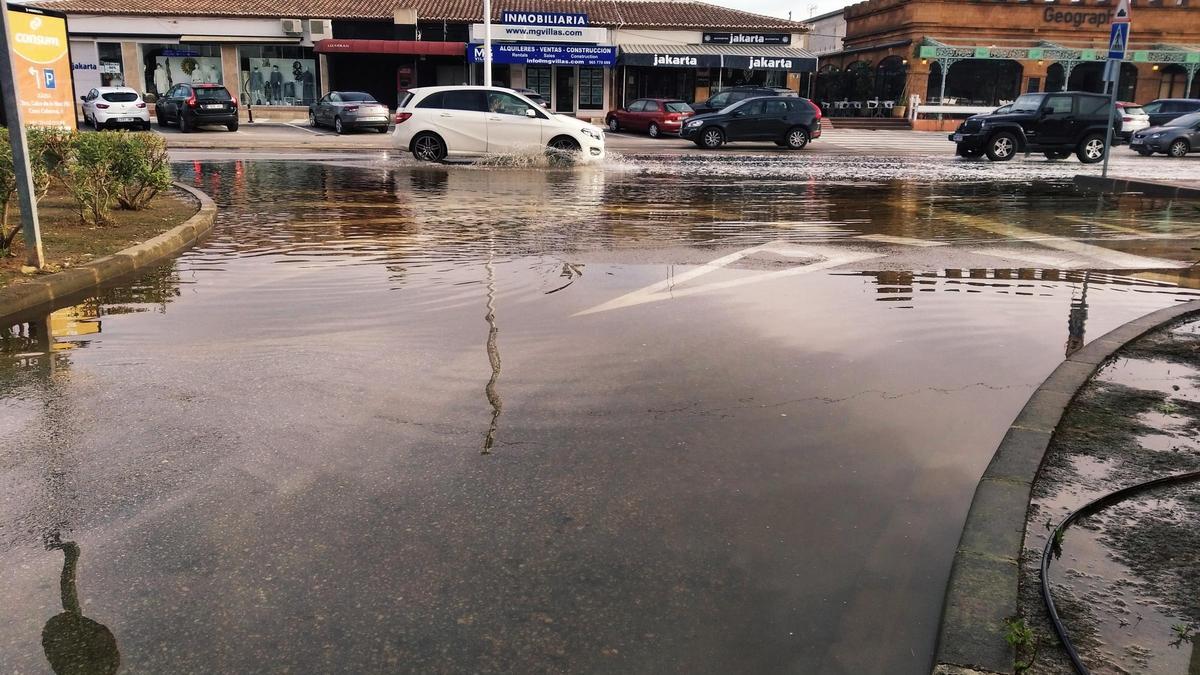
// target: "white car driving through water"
[[434, 123]]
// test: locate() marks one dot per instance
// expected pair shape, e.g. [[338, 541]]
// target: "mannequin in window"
[[309, 85], [276, 85], [256, 86], [162, 81]]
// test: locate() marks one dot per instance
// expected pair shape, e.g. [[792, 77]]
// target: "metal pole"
[[487, 43], [1112, 111], [20, 150]]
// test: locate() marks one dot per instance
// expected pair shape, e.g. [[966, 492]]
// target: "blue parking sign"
[[48, 78], [1118, 40]]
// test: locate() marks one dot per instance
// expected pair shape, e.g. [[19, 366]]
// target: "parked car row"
[[1059, 124]]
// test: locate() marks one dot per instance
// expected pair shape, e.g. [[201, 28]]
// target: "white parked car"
[[115, 106], [1133, 118], [434, 123]]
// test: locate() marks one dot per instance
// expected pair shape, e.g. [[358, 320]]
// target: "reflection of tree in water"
[[493, 351], [75, 644], [1077, 319]]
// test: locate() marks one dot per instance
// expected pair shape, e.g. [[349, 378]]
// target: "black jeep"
[[1055, 124]]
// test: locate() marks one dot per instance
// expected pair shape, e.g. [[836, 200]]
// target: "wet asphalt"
[[655, 416]]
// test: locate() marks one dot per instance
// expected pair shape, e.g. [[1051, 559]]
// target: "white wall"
[[828, 34], [85, 66], [634, 36], [151, 26]]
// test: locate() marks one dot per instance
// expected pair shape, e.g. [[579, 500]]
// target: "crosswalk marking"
[[903, 241]]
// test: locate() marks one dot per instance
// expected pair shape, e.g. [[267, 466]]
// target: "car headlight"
[[1156, 135], [695, 123], [593, 133]]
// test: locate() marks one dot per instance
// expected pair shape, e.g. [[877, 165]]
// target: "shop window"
[[168, 65], [982, 82], [591, 88], [277, 75], [1174, 82], [112, 68], [538, 78], [890, 77]]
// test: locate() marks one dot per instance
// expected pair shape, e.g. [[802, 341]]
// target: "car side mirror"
[[530, 113], [83, 98]]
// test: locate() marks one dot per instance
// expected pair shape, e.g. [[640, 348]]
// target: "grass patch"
[[67, 243]]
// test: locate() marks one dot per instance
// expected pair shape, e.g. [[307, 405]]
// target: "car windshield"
[[357, 97], [1134, 110], [1184, 121], [212, 94], [120, 97], [1029, 103], [678, 107]]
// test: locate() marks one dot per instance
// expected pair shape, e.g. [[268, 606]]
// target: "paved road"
[[627, 418]]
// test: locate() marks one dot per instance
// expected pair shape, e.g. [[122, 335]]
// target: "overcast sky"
[[800, 9]]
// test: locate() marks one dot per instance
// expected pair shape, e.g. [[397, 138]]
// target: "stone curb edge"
[[983, 586], [1146, 187], [21, 298]]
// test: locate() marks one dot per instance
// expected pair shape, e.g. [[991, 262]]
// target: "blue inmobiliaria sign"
[[543, 19], [546, 55]]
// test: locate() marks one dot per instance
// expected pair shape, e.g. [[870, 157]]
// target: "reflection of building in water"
[[73, 643]]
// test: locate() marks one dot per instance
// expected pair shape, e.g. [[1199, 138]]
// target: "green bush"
[[140, 168], [8, 188], [88, 175]]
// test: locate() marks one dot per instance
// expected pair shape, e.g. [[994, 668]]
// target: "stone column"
[[1032, 70], [1149, 80], [132, 68]]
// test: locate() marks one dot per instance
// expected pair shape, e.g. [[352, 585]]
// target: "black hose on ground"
[[1086, 510]]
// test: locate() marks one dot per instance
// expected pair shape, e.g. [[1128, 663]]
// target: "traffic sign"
[[1118, 40], [1122, 13]]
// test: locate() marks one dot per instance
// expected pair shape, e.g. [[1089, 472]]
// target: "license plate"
[[958, 137], [214, 106], [1136, 141], [126, 119], [373, 119]]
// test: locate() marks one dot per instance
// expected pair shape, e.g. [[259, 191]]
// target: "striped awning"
[[749, 57]]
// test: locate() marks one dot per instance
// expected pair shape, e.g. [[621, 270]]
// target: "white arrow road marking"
[[668, 288], [1107, 257], [902, 241]]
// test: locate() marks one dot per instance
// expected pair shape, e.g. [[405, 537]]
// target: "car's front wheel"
[[712, 138], [1002, 147], [428, 148], [1091, 149], [797, 138], [1179, 148], [562, 150]]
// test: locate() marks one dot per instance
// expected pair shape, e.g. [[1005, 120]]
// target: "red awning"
[[335, 46]]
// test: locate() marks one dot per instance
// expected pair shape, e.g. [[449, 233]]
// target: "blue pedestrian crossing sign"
[[1118, 40]]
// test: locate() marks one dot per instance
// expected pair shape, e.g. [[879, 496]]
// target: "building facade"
[[985, 52], [583, 56]]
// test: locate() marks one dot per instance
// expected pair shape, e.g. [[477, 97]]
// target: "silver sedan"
[[346, 110]]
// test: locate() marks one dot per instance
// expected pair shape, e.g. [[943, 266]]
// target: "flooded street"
[[669, 416]]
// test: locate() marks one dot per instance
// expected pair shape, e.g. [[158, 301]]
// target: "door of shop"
[[564, 89]]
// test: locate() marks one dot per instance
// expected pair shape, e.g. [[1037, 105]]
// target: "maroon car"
[[655, 116]]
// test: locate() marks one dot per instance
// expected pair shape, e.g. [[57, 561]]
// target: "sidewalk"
[[1174, 189]]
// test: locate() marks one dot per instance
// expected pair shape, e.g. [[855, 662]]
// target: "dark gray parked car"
[[346, 110], [1175, 138], [1164, 110]]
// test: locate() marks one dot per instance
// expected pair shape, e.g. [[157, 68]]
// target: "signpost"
[[1118, 44], [35, 81]]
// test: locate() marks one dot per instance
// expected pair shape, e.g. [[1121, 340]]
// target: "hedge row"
[[98, 170]]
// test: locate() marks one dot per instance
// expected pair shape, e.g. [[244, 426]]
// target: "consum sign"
[[41, 62]]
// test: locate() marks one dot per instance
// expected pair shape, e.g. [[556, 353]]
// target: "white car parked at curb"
[[115, 106], [434, 123]]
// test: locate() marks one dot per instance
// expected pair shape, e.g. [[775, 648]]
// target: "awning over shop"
[[335, 46], [748, 57]]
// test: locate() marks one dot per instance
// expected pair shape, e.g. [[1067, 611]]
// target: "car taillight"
[[351, 108], [816, 108], [672, 116], [102, 106], [1127, 118], [141, 104], [191, 102], [402, 117]]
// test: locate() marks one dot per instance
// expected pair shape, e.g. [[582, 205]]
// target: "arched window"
[[1090, 77], [859, 81], [890, 76], [983, 81], [1174, 82], [933, 85], [1056, 77]]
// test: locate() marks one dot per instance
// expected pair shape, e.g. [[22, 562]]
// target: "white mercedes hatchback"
[[434, 123], [115, 107]]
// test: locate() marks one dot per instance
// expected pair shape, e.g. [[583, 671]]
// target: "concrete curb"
[[982, 590], [1147, 187], [20, 298]]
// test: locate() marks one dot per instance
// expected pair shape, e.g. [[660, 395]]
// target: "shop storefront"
[[965, 54], [693, 72]]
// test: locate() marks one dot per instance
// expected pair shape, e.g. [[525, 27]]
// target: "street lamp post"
[[487, 43]]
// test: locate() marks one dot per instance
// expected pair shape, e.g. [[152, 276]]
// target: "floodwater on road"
[[623, 419]]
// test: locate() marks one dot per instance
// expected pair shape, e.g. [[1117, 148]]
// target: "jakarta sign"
[[41, 63]]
